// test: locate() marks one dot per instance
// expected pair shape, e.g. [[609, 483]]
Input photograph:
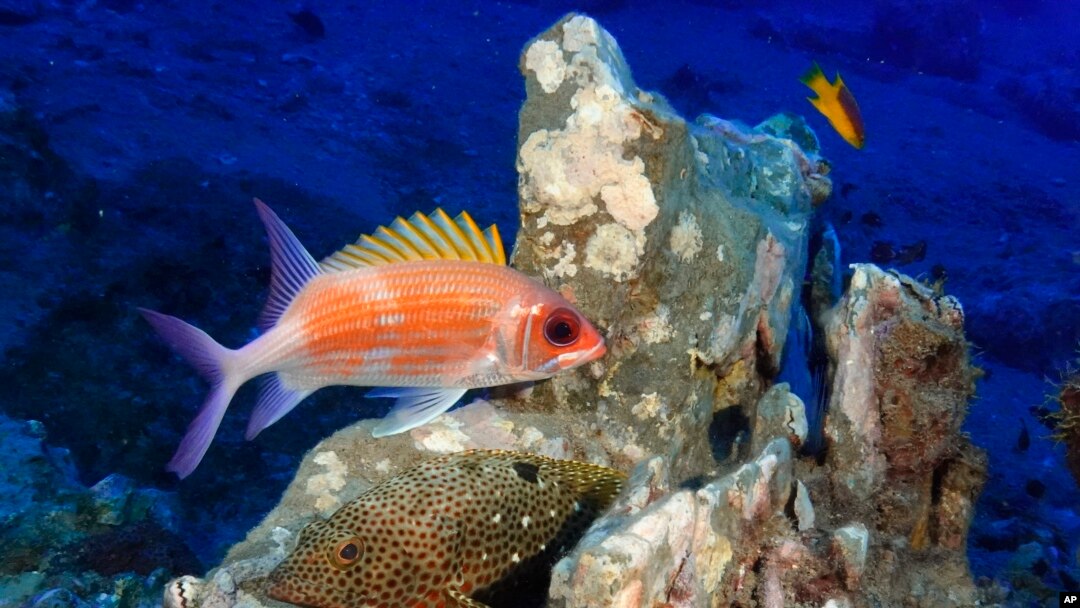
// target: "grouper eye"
[[347, 552], [562, 327]]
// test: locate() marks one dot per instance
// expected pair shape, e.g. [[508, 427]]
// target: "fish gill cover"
[[133, 136]]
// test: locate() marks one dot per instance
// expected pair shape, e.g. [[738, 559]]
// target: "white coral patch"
[[553, 180], [565, 267], [324, 486], [580, 32], [566, 171], [631, 201], [859, 279], [613, 250], [686, 237], [648, 407], [545, 58], [440, 439], [656, 328], [282, 538]]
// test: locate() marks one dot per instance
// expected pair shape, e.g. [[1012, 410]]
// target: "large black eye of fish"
[[347, 552], [562, 327]]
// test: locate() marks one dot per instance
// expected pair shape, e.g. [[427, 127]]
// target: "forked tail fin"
[[215, 363]]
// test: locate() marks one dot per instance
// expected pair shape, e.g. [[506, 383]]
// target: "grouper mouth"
[[283, 590], [288, 588]]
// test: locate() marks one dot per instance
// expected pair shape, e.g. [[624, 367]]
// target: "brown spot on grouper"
[[437, 534]]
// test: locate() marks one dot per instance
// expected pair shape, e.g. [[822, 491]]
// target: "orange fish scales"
[[409, 323], [363, 296], [364, 299]]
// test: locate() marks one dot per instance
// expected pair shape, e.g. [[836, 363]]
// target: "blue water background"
[[166, 118]]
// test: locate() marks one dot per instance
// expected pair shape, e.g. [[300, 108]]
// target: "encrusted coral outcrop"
[[1067, 418], [902, 381], [678, 550], [886, 517], [686, 243], [896, 459]]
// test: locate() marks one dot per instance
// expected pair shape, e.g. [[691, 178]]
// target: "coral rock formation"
[[685, 241], [1067, 419], [896, 459]]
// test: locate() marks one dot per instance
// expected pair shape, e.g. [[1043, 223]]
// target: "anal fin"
[[275, 400], [414, 407]]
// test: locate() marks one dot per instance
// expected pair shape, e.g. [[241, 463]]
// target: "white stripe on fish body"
[[390, 319]]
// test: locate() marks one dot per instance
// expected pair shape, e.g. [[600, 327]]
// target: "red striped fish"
[[426, 308]]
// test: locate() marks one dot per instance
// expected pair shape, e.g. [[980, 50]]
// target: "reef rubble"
[[123, 540], [687, 243]]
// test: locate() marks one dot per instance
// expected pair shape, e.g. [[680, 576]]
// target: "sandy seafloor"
[[178, 112]]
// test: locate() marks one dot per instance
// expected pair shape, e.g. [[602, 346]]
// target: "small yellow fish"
[[836, 102], [436, 534]]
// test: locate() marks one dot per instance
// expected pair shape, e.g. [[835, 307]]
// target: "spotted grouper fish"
[[426, 308], [440, 532]]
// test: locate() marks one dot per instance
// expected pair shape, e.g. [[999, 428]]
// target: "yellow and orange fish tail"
[[815, 79]]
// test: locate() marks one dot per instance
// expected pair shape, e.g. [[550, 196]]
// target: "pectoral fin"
[[457, 599], [414, 407], [819, 103]]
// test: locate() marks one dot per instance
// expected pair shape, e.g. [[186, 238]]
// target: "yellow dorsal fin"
[[492, 236], [422, 237]]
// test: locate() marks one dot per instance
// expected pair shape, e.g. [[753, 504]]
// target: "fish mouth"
[[597, 351], [285, 591], [302, 592], [575, 359]]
